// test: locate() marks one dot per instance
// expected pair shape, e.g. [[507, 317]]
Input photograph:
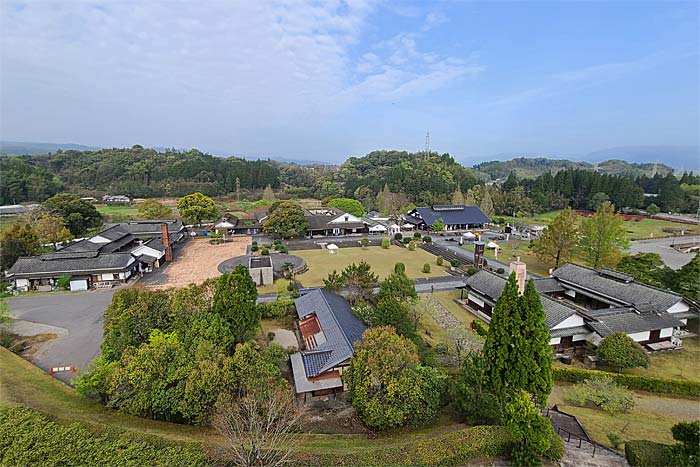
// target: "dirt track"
[[198, 261]]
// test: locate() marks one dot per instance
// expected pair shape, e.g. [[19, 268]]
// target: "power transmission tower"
[[427, 143]]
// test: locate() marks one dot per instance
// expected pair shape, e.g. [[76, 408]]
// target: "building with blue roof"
[[329, 331]]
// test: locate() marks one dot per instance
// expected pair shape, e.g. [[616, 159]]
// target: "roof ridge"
[[342, 331]]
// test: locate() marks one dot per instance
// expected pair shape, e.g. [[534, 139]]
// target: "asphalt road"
[[78, 313], [662, 246]]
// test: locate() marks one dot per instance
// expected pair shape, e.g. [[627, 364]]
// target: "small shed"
[[332, 248], [260, 269], [394, 229]]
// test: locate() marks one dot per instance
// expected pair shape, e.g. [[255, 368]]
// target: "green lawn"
[[651, 418], [6, 221], [641, 229], [120, 212], [382, 261], [279, 286], [683, 363]]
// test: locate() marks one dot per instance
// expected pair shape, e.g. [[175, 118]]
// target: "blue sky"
[[327, 80]]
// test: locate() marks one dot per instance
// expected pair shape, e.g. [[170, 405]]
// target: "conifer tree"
[[458, 196], [506, 370], [486, 204], [537, 355], [234, 299]]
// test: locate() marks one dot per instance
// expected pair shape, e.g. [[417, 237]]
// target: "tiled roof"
[[452, 215], [149, 227], [611, 320], [492, 285], [70, 263], [339, 325], [548, 285], [563, 332], [621, 293]]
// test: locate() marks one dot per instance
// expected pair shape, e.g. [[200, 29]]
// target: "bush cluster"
[[277, 309], [602, 392], [28, 437], [480, 327], [642, 383], [643, 453]]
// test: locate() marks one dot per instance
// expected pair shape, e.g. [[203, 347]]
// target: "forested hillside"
[[525, 167]]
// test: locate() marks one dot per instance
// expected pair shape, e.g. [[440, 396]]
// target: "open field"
[[6, 221], [198, 260], [278, 287], [118, 212], [635, 230], [651, 418], [321, 263]]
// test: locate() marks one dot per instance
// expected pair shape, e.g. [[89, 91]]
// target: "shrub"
[[265, 252], [30, 438], [277, 309], [480, 328], [621, 351], [556, 449], [500, 271], [642, 453], [398, 236], [364, 242], [603, 393], [291, 287], [441, 348], [385, 243], [440, 260], [277, 242], [426, 268], [472, 271], [641, 383], [427, 239], [455, 263], [407, 240], [615, 440], [255, 243], [412, 246], [416, 235], [687, 451], [270, 336], [254, 248], [63, 282]]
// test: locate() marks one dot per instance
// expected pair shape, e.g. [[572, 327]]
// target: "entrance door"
[[566, 342], [655, 335]]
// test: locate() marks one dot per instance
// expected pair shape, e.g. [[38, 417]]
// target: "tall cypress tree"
[[537, 355], [506, 370]]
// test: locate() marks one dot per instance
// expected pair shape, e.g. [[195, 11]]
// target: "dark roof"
[[118, 238], [628, 320], [573, 331], [491, 285], [147, 259], [149, 226], [452, 215], [260, 262], [319, 218], [156, 243], [548, 285], [70, 263], [339, 326], [616, 291]]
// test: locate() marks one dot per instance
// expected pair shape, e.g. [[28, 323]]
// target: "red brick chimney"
[[166, 242], [520, 269]]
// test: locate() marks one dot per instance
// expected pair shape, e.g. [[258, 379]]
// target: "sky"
[[331, 79]]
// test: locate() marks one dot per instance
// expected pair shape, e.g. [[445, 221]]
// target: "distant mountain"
[[680, 158], [22, 148], [525, 167]]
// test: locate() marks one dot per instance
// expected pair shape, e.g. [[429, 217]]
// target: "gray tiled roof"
[[70, 263], [339, 325], [611, 320], [453, 215], [573, 331], [149, 226], [548, 285], [492, 285], [622, 293], [320, 221]]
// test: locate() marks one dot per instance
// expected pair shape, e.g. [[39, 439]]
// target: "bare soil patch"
[[198, 261]]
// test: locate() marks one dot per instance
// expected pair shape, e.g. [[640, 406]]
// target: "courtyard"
[[382, 261], [196, 262]]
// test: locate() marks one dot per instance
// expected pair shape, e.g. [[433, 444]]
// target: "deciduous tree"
[[687, 279], [603, 237], [531, 431], [19, 240], [52, 229], [154, 209], [360, 280], [197, 207], [471, 394], [348, 205], [648, 268], [559, 239], [287, 220], [79, 215]]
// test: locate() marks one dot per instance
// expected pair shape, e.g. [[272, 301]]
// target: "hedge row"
[[450, 450], [642, 383], [29, 438], [277, 309], [643, 453]]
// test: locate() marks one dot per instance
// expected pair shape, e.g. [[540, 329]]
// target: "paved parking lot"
[[663, 247], [76, 317]]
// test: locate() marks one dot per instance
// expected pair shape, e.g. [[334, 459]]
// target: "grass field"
[[321, 263], [511, 250], [641, 229], [6, 221], [120, 212], [651, 418]]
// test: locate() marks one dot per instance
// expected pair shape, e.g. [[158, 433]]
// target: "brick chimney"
[[166, 242], [520, 270]]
